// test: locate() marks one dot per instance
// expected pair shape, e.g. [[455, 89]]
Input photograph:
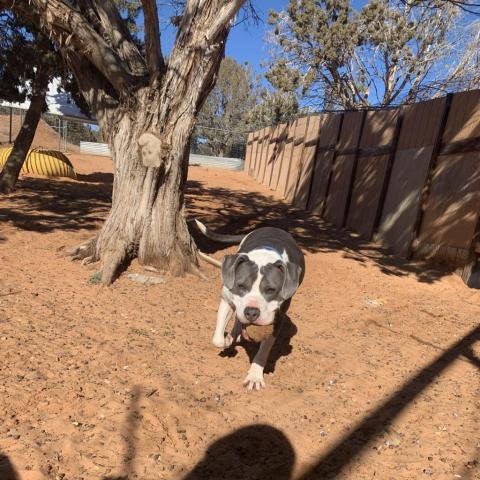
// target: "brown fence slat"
[[452, 209], [272, 148], [343, 168], [378, 131], [266, 146], [253, 162], [302, 190], [296, 160], [248, 153], [278, 155], [286, 160], [325, 153], [418, 136], [258, 163], [263, 157]]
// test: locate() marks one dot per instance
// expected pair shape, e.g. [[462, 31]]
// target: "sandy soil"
[[377, 376]]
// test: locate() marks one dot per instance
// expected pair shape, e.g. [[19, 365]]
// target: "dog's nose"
[[251, 313]]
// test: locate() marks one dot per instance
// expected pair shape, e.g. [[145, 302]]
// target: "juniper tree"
[[146, 106], [388, 52]]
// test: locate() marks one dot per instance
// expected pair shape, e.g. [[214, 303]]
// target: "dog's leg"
[[223, 316], [254, 379]]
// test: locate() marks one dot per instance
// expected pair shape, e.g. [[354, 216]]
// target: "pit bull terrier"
[[258, 284]]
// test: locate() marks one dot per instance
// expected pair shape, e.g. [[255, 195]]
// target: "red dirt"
[[123, 382]]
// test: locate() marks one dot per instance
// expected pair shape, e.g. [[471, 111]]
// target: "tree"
[[222, 120], [146, 107], [27, 62], [389, 52], [273, 108]]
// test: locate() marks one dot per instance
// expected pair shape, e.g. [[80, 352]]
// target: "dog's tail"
[[218, 237]]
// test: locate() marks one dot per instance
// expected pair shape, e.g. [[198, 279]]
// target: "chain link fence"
[[53, 131], [65, 134]]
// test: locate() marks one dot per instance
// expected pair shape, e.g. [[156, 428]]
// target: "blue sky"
[[246, 42]]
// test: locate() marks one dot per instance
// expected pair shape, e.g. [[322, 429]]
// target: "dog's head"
[[259, 282]]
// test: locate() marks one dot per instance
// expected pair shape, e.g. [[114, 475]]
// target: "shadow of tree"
[[241, 212], [45, 205]]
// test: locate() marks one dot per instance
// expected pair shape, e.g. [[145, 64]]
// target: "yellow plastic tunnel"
[[50, 163]]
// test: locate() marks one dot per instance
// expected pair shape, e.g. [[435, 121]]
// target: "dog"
[[259, 282]]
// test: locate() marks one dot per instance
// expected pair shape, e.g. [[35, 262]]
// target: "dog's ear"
[[291, 281], [229, 265]]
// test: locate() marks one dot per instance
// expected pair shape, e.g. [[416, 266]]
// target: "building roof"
[[58, 102]]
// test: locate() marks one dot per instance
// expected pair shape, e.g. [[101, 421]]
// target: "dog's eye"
[[241, 287], [270, 291]]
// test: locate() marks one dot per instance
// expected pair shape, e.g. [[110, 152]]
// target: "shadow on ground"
[[262, 452], [281, 347], [7, 470], [240, 212], [45, 205]]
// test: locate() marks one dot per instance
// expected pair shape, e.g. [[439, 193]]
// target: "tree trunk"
[[147, 119], [147, 215], [23, 142]]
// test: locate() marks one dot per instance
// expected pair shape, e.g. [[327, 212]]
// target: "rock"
[[146, 279]]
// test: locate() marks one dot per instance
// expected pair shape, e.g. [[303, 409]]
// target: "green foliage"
[[388, 52], [222, 122], [24, 52], [273, 108]]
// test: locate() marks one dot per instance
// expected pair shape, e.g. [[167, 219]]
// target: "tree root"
[[85, 251]]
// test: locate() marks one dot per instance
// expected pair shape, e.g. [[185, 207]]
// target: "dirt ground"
[[376, 376]]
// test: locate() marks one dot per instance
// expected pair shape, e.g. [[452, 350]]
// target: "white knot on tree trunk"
[[154, 151]]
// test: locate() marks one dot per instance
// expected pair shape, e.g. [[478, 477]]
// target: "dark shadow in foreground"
[[7, 470], [247, 453], [256, 452], [341, 454]]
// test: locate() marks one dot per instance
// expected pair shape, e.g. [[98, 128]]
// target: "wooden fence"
[[407, 178]]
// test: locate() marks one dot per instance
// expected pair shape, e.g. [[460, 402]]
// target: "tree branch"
[[153, 47], [224, 16], [120, 38], [69, 27]]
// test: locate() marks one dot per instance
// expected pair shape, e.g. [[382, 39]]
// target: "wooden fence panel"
[[263, 159], [302, 190], [261, 141], [253, 160], [296, 160], [286, 160], [342, 168], [377, 139], [278, 155], [248, 153], [272, 148], [451, 216], [416, 144], [325, 153]]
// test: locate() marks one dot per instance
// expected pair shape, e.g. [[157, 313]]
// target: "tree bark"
[[23, 142], [147, 116]]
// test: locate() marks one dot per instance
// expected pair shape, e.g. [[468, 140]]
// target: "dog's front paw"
[[222, 342], [254, 380]]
